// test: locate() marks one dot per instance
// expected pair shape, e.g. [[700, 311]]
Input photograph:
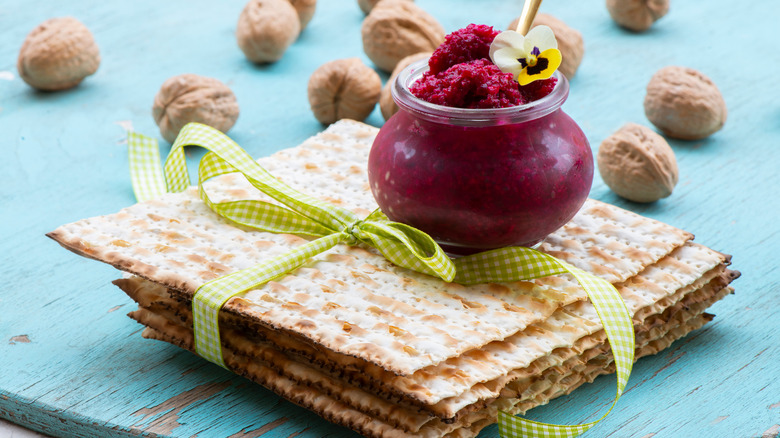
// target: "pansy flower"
[[530, 57]]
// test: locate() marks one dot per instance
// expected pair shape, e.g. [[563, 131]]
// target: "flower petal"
[[550, 59], [506, 59], [542, 37], [555, 58], [507, 56], [506, 39]]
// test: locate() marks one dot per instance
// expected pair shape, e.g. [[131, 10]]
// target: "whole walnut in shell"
[[266, 28], [367, 5], [570, 42], [637, 15], [191, 98], [396, 29], [343, 89], [685, 104], [638, 164], [58, 54], [386, 102], [305, 9]]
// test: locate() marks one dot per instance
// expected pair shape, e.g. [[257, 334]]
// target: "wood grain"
[[71, 363]]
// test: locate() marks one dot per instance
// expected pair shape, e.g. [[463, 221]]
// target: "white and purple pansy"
[[529, 58]]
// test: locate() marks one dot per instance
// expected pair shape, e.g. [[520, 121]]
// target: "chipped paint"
[[19, 339], [260, 431], [127, 125], [776, 405], [671, 362], [167, 412], [294, 434], [719, 419], [772, 432], [115, 308], [649, 435], [754, 359]]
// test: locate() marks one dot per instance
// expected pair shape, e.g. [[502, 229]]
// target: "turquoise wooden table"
[[72, 364]]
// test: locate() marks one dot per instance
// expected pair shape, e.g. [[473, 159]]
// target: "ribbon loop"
[[296, 212], [229, 157]]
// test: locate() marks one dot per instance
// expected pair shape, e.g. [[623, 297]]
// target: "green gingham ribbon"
[[329, 225], [518, 263]]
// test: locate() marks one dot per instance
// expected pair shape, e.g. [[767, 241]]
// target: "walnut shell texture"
[[396, 29], [684, 103], [637, 164], [386, 103], [266, 28], [305, 10], [343, 89], [191, 98], [58, 54], [637, 15], [570, 42]]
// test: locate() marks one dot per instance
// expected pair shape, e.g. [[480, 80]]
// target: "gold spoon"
[[530, 8]]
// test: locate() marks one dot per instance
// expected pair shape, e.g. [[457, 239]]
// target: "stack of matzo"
[[383, 350]]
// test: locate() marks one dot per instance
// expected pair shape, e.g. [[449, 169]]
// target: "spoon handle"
[[530, 8]]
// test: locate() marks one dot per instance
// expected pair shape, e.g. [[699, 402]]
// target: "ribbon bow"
[[301, 214]]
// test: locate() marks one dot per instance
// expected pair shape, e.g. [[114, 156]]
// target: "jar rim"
[[407, 101]]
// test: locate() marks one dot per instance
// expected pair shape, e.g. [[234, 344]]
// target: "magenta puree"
[[503, 179]]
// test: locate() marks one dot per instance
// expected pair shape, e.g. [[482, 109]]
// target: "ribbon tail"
[[612, 311], [210, 297], [513, 427], [616, 320], [145, 168]]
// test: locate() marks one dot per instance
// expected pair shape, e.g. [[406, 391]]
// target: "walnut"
[[637, 164], [637, 15], [191, 98], [386, 102], [266, 28], [343, 89], [569, 42], [305, 9], [685, 104], [396, 29], [367, 5], [58, 54]]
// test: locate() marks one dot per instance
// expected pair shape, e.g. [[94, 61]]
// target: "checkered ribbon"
[[329, 225], [518, 263]]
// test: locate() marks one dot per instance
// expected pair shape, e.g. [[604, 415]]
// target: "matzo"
[[149, 295], [574, 371], [349, 299], [480, 373]]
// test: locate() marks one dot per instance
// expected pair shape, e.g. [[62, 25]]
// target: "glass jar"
[[479, 179]]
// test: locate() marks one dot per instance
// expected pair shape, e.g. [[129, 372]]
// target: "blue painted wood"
[[72, 364]]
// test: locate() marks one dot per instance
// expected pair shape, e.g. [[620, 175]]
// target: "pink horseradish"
[[479, 177]]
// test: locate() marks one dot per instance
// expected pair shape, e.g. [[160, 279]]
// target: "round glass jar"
[[480, 179]]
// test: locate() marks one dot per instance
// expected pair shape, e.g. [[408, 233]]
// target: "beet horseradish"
[[480, 155]]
